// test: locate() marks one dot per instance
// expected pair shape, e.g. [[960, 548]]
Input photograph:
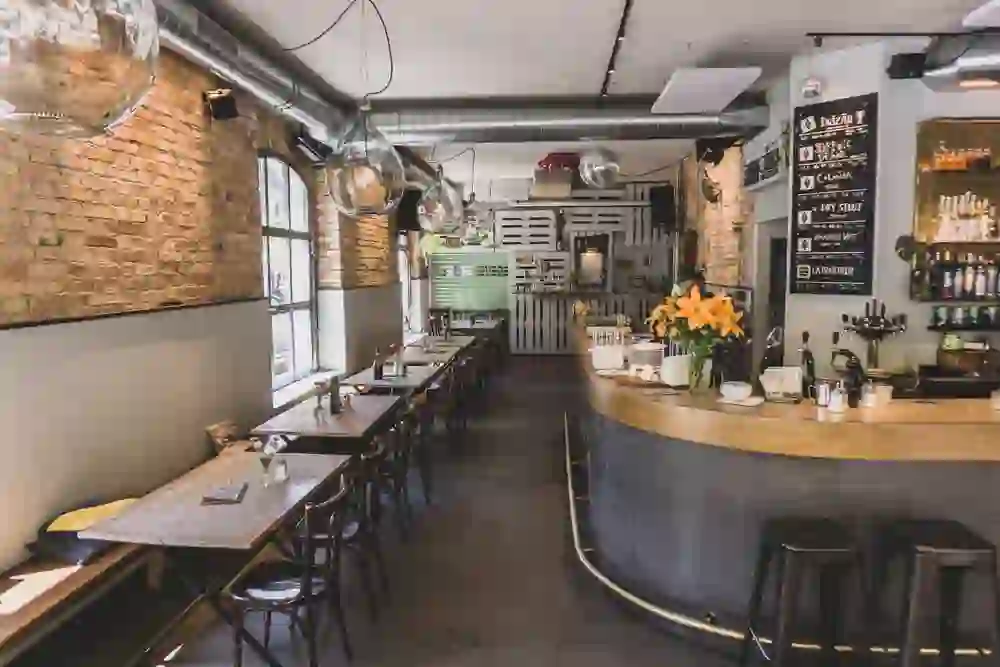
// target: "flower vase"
[[699, 366]]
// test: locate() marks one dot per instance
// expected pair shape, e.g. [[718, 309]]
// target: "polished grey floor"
[[487, 578]]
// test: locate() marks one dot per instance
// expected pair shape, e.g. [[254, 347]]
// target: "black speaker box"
[[907, 66], [663, 207]]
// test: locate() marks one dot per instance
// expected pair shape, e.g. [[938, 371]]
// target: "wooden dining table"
[[177, 518], [416, 379], [347, 432], [417, 355]]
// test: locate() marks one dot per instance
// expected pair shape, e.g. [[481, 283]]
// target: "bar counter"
[[680, 486]]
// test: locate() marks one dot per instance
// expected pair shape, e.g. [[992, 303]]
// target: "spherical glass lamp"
[[599, 168], [74, 68], [441, 209], [365, 175]]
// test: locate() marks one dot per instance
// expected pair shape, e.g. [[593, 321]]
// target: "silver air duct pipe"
[[968, 62], [529, 125], [189, 33]]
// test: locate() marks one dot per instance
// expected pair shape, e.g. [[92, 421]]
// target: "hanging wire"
[[337, 21], [653, 171], [470, 149], [388, 46], [326, 30]]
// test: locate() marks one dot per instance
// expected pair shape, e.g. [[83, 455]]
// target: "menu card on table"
[[833, 196]]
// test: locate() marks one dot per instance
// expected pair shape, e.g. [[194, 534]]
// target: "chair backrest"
[[323, 527]]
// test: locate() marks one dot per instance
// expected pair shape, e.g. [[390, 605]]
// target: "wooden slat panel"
[[526, 229]]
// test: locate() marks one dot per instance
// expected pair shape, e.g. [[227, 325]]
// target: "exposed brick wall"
[[353, 253], [163, 211], [719, 225]]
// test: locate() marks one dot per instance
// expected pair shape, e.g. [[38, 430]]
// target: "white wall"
[[902, 105], [354, 323], [118, 406]]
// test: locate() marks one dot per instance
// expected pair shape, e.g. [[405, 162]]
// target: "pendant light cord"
[[326, 30], [337, 21]]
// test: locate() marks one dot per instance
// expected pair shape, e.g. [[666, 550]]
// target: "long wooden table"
[[174, 517], [416, 378], [347, 432]]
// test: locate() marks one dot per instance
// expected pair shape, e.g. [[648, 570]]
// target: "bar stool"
[[798, 543], [940, 551]]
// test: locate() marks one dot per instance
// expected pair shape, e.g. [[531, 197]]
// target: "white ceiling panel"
[[451, 48], [662, 36], [704, 89]]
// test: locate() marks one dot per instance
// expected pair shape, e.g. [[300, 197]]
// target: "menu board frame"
[[834, 186]]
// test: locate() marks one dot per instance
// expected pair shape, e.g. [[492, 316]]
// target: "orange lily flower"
[[726, 317], [695, 310]]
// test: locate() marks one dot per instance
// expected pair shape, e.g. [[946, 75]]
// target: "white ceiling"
[[469, 48], [525, 48], [499, 162]]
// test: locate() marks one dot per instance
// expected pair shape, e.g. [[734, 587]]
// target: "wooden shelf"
[[960, 302], [963, 328]]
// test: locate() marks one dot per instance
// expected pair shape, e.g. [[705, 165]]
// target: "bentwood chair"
[[422, 411], [358, 537], [390, 467], [299, 582]]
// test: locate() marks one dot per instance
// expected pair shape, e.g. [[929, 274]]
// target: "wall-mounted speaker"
[[907, 66], [221, 104], [714, 149], [663, 207]]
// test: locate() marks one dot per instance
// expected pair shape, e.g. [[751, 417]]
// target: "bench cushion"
[[58, 538]]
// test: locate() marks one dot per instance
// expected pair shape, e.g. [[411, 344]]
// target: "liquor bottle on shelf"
[[991, 281], [947, 290], [980, 282], [969, 277]]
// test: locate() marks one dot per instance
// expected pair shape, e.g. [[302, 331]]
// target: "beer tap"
[[873, 328]]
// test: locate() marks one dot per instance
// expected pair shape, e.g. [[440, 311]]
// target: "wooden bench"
[[37, 597]]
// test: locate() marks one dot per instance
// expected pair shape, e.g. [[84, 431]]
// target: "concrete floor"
[[487, 577]]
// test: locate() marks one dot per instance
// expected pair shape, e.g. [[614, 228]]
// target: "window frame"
[[268, 232]]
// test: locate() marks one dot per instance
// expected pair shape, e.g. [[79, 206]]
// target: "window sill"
[[286, 397]]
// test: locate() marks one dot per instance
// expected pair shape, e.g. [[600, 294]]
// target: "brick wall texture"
[[352, 253], [164, 211], [720, 225]]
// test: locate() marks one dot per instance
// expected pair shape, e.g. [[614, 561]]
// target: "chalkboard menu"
[[833, 196]]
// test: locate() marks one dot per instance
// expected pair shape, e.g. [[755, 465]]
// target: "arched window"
[[288, 270]]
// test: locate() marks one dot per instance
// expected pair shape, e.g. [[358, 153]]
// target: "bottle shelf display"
[[958, 182], [945, 273], [956, 223], [965, 318]]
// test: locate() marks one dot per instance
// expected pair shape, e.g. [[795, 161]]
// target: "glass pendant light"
[[441, 209], [599, 168], [365, 174], [74, 68]]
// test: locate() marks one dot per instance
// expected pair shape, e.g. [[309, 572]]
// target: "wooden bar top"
[[904, 430]]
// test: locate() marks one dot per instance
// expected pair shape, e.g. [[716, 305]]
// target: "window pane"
[[277, 194], [301, 271], [303, 342], [262, 189], [280, 270], [263, 267], [299, 203], [282, 369]]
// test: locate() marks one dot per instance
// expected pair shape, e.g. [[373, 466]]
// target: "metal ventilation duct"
[[192, 35], [529, 125], [967, 62]]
